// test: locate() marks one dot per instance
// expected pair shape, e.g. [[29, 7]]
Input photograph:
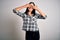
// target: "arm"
[[40, 11], [16, 10], [21, 7]]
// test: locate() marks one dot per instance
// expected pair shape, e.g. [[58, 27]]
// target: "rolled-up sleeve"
[[40, 16], [18, 13]]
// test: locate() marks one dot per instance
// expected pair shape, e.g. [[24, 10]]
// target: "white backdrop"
[[11, 24]]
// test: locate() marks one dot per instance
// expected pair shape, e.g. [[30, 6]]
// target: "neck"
[[29, 13]]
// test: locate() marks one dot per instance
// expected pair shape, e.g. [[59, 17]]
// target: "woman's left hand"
[[35, 7]]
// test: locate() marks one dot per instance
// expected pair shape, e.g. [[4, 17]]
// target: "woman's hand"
[[27, 5], [34, 7]]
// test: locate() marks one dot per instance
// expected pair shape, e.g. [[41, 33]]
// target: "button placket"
[[33, 19]]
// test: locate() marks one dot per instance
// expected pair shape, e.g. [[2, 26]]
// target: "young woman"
[[30, 20]]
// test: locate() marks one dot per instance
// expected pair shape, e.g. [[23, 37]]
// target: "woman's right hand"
[[27, 5]]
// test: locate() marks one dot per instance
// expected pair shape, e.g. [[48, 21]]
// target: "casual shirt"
[[29, 22]]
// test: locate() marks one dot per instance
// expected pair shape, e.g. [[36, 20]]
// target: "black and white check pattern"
[[29, 22]]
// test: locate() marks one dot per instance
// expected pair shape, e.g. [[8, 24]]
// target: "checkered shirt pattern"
[[29, 22]]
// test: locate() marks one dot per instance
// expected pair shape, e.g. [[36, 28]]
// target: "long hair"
[[33, 11]]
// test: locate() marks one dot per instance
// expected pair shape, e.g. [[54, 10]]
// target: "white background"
[[11, 24]]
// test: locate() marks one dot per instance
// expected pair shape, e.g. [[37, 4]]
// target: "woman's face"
[[30, 8]]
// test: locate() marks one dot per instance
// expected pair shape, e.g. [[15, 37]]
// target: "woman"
[[30, 20]]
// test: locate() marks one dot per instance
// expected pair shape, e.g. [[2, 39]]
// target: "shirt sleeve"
[[40, 16], [18, 13]]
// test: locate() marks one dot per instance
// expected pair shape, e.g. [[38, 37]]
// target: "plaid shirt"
[[29, 22]]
